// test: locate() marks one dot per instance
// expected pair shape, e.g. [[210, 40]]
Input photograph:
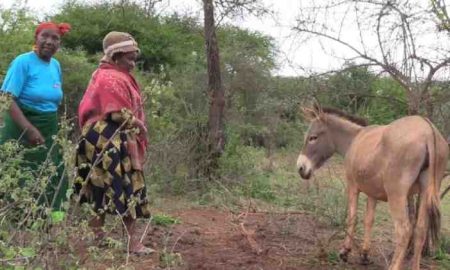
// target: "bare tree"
[[440, 10], [149, 5], [397, 37], [392, 36], [215, 88], [216, 91]]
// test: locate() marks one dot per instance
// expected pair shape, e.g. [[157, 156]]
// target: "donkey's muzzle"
[[304, 173], [304, 166]]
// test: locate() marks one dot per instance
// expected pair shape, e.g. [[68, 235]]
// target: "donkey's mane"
[[352, 118]]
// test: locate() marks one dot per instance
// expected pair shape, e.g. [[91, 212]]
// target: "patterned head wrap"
[[118, 42]]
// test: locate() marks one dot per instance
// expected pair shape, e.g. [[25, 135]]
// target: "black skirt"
[[107, 178]]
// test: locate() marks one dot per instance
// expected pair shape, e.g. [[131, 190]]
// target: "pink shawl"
[[110, 90]]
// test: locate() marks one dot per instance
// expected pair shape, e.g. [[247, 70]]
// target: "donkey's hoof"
[[364, 259], [343, 254]]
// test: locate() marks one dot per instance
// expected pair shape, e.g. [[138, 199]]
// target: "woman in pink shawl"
[[111, 152]]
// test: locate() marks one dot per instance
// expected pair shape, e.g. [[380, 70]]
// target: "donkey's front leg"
[[352, 193]]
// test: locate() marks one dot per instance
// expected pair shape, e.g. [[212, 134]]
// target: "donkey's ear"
[[317, 107], [309, 113]]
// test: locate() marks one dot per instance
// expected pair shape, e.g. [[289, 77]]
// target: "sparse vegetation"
[[164, 220], [256, 171]]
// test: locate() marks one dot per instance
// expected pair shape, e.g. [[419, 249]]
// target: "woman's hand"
[[139, 124], [34, 137], [32, 134]]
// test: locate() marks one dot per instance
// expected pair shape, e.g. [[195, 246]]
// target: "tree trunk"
[[429, 106], [417, 100], [413, 103], [216, 91]]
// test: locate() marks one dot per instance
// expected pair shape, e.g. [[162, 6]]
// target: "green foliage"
[[173, 76], [388, 104], [442, 251], [76, 69], [333, 257], [247, 59], [21, 209], [163, 41], [27, 223], [164, 220], [170, 259], [260, 187], [351, 88], [16, 35], [238, 160], [263, 124], [359, 91]]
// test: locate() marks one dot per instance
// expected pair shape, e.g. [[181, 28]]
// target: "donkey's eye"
[[312, 138]]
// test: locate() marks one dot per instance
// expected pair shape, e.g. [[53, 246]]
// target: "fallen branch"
[[249, 236], [176, 241], [146, 229], [448, 188], [287, 213], [445, 192], [128, 237], [244, 215]]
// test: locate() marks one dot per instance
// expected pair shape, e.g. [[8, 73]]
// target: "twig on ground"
[[176, 241], [128, 237], [248, 235], [146, 229]]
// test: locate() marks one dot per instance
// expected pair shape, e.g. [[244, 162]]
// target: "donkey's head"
[[318, 144]]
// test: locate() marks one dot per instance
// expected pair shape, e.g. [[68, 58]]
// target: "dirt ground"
[[210, 239]]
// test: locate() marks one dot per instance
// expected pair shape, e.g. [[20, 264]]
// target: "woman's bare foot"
[[138, 248]]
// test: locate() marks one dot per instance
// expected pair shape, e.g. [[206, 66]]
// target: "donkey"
[[388, 163]]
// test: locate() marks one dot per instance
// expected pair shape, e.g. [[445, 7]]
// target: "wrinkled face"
[[126, 61], [47, 43], [317, 148]]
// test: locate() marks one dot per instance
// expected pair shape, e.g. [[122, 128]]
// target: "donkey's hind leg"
[[353, 194], [403, 229], [368, 223], [423, 219], [420, 232]]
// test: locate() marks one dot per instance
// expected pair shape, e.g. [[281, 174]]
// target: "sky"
[[294, 57], [291, 61]]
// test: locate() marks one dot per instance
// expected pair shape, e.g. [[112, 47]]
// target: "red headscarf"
[[61, 28]]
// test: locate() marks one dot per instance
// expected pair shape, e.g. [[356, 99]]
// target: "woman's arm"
[[120, 117], [13, 84], [32, 134]]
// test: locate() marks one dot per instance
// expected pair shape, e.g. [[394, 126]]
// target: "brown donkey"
[[387, 163]]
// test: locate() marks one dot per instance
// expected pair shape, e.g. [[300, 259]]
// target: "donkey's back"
[[380, 157]]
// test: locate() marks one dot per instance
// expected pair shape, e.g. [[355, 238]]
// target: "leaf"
[[9, 253], [58, 216], [28, 252], [164, 220]]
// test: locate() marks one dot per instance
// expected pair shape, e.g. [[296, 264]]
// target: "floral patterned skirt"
[[105, 176]]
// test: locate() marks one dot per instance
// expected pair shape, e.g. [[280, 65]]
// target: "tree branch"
[[390, 68]]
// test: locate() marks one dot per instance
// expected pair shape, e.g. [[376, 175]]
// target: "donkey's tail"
[[432, 190]]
